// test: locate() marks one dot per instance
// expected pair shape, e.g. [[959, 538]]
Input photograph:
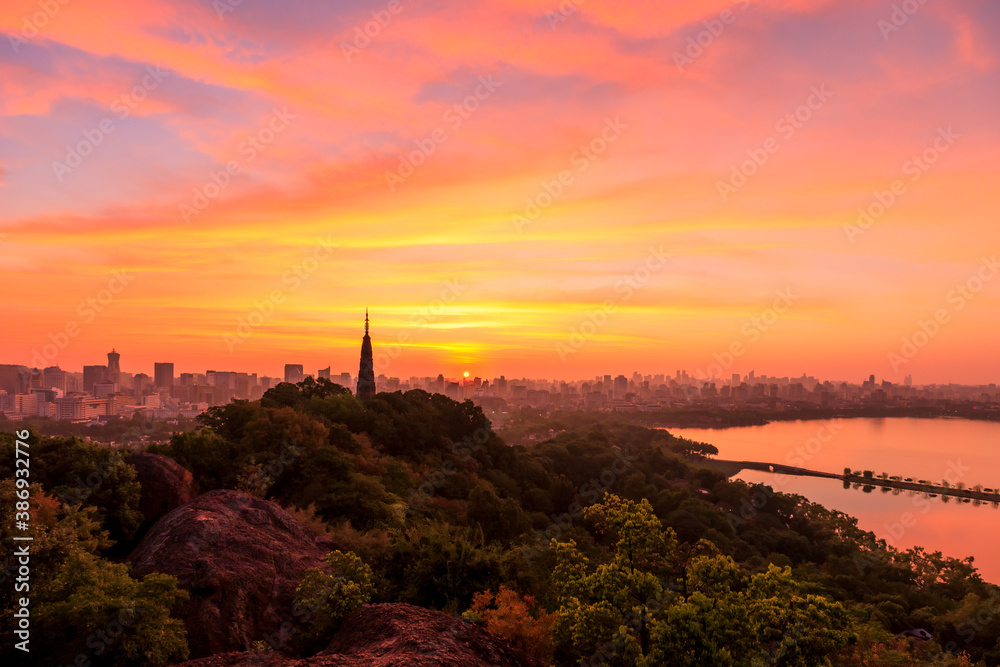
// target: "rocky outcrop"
[[392, 635], [166, 485], [240, 558]]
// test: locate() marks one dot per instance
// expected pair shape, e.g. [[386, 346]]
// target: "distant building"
[[10, 379], [140, 382], [621, 387], [55, 378], [91, 376], [163, 375], [114, 370], [294, 373], [324, 373], [366, 374]]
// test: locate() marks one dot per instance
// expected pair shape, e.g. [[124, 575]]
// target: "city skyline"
[[516, 188], [715, 371]]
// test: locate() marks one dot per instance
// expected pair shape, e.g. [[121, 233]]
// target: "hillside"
[[605, 539]]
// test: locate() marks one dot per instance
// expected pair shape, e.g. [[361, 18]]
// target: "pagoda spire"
[[366, 372]]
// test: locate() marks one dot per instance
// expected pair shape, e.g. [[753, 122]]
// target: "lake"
[[955, 450]]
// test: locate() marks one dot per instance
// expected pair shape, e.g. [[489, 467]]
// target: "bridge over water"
[[731, 468]]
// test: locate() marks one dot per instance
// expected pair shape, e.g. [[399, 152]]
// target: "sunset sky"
[[510, 186]]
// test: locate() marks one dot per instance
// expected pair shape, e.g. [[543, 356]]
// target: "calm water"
[[931, 449]]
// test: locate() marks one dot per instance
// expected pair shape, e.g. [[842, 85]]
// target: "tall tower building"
[[294, 373], [92, 375], [114, 371], [163, 375], [366, 375], [10, 379]]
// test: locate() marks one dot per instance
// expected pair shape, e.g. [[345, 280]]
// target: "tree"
[[732, 619], [94, 607], [607, 610], [329, 598], [518, 619], [82, 474], [82, 604]]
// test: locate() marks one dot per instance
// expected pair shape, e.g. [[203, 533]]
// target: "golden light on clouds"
[[490, 182]]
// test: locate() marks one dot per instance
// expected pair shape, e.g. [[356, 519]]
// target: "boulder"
[[166, 485], [392, 635], [240, 558]]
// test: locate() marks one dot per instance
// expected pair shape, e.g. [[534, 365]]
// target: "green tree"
[[607, 609], [82, 604], [82, 474], [330, 597], [732, 619]]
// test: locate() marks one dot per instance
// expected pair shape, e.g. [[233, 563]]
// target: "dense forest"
[[601, 542]]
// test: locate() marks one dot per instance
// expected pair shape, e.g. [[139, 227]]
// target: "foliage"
[[516, 618], [254, 480], [330, 597], [82, 604], [85, 475], [625, 610], [641, 551]]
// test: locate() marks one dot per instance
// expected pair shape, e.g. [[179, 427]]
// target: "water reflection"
[[957, 451]]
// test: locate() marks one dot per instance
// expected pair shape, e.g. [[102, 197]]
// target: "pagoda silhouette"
[[366, 375]]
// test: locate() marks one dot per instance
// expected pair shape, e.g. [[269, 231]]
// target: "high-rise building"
[[294, 373], [10, 379], [139, 383], [55, 378], [163, 375], [366, 374], [323, 373], [114, 370], [91, 376], [621, 386]]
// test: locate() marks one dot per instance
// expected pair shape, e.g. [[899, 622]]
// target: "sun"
[[466, 373]]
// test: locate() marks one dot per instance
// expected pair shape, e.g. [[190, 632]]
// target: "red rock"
[[166, 485], [392, 635], [240, 557]]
